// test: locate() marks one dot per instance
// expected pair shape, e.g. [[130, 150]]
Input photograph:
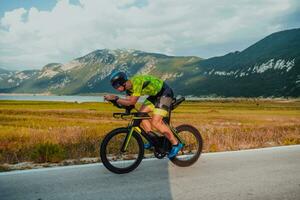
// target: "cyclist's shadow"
[[149, 181]]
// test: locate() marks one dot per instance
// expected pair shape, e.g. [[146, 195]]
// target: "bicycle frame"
[[134, 126], [162, 146]]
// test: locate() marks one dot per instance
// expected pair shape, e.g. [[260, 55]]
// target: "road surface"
[[270, 173]]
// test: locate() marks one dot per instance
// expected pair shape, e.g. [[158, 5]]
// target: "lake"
[[79, 99]]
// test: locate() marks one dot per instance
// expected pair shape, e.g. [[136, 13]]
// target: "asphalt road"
[[270, 173]]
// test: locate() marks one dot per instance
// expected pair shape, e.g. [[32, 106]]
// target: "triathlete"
[[159, 101]]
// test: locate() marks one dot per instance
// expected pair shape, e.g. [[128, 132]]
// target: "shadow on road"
[[149, 181], [270, 173]]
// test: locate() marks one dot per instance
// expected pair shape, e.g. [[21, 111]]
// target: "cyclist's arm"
[[130, 100], [136, 93]]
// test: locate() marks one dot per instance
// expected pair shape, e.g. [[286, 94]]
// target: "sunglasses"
[[116, 85]]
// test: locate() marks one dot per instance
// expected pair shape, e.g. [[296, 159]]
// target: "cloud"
[[32, 38]]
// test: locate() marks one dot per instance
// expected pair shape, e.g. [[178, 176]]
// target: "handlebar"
[[120, 115]]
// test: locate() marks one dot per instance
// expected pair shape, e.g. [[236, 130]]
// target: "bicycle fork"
[[127, 138]]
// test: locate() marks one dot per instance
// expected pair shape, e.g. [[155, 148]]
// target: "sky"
[[34, 33]]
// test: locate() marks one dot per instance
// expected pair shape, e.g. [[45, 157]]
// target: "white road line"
[[144, 160]]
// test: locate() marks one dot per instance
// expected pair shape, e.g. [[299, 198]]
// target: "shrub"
[[4, 168], [213, 148], [48, 152], [291, 141]]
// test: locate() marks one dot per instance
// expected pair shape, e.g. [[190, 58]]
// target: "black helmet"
[[118, 79]]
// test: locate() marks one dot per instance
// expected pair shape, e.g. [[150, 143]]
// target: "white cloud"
[[32, 38]]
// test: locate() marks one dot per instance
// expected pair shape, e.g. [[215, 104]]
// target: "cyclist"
[[159, 101]]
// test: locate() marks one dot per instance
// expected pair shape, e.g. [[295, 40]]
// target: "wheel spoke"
[[116, 160], [192, 148]]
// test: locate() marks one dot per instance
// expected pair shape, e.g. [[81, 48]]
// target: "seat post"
[[168, 118]]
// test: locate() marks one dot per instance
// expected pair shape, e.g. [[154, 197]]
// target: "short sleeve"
[[137, 84]]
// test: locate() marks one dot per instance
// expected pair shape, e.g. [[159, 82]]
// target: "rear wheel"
[[114, 159], [192, 149]]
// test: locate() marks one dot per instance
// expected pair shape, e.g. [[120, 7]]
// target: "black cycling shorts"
[[161, 102]]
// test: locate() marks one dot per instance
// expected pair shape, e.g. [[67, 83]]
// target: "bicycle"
[[122, 149]]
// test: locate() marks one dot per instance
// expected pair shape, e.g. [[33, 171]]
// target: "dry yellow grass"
[[53, 131]]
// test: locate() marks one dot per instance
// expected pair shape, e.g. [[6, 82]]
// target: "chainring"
[[159, 155]]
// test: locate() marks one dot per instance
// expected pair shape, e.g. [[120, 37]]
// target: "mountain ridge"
[[268, 68]]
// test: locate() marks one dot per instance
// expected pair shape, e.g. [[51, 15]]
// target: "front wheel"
[[112, 156], [192, 149]]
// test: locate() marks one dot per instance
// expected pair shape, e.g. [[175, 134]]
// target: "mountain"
[[4, 78], [11, 80], [3, 71], [90, 73], [268, 68]]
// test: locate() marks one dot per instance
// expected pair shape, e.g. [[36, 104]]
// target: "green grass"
[[54, 131]]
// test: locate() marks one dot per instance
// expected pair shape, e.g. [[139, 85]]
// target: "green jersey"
[[145, 85]]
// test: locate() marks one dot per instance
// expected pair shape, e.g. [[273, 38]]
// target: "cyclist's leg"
[[146, 123], [146, 107], [162, 109], [158, 123]]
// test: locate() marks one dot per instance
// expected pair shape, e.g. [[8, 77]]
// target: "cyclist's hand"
[[110, 97]]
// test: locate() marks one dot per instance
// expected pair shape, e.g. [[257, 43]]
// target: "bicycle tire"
[[192, 130], [103, 151]]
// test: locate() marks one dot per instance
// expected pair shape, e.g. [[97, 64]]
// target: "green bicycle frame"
[[128, 137], [138, 130]]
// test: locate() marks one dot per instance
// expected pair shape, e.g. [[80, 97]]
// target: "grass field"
[[54, 131]]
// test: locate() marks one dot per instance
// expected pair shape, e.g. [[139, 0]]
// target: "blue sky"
[[34, 33], [8, 5]]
